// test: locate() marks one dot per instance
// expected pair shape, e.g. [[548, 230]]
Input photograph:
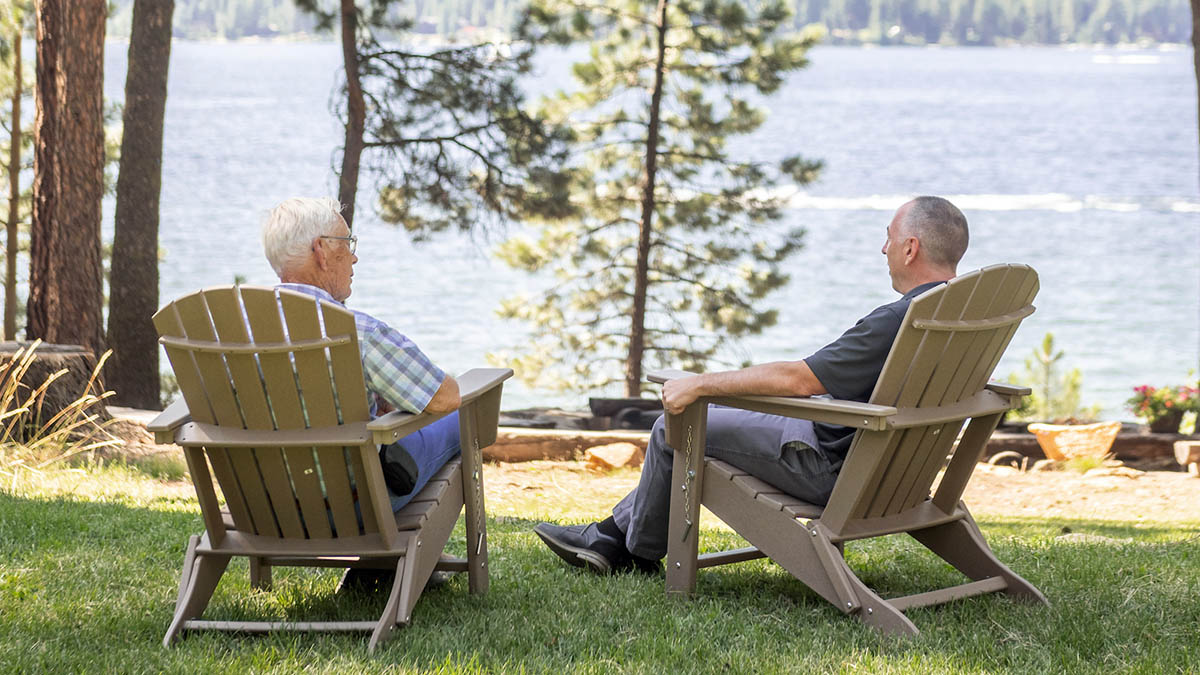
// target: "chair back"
[[274, 384], [944, 354]]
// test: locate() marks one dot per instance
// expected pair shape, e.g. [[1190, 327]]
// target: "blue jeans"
[[430, 447]]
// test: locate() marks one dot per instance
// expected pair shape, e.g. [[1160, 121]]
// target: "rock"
[[521, 445], [614, 455], [1187, 453]]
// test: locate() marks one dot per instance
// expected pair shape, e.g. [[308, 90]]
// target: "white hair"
[[289, 228]]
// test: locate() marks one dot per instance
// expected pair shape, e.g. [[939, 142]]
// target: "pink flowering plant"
[[1152, 403]]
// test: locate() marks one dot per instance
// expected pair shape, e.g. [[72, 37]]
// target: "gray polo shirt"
[[849, 366]]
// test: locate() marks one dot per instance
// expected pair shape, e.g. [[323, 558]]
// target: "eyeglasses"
[[351, 241]]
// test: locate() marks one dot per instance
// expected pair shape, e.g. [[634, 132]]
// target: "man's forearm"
[[781, 378]]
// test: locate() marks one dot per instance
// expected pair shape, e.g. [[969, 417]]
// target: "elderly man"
[[310, 247], [925, 240]]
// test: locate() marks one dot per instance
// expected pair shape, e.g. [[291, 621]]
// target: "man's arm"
[[781, 378], [446, 398]]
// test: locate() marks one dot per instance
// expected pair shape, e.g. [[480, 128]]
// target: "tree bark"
[[1196, 53], [65, 278], [14, 196], [133, 286], [637, 329], [356, 113]]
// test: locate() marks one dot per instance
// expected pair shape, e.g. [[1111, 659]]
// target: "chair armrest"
[[385, 429], [479, 381], [831, 411], [472, 385], [164, 425], [1006, 389]]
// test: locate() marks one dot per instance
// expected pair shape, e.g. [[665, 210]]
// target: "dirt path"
[[568, 490]]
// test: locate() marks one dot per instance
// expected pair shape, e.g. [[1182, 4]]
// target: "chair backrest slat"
[[279, 490], [309, 493], [197, 324], [312, 368], [187, 372], [227, 318], [262, 310], [333, 463], [370, 522], [950, 342], [248, 480], [347, 366]]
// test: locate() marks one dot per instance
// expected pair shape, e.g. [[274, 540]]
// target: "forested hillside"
[[976, 22]]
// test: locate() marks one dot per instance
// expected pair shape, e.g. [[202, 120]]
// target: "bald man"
[[925, 241]]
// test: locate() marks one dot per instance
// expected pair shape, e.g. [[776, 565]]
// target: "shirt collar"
[[309, 290], [917, 290]]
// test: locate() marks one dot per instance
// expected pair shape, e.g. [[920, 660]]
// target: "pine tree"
[[675, 246], [444, 133]]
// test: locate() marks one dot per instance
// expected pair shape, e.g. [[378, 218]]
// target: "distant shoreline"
[[435, 40]]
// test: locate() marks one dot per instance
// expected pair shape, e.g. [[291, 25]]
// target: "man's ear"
[[912, 246], [318, 253]]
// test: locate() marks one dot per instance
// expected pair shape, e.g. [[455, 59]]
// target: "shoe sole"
[[574, 555]]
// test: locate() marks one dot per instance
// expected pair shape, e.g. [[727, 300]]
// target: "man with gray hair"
[[925, 240], [312, 250]]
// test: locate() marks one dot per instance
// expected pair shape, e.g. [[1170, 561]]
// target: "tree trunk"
[[356, 113], [133, 287], [72, 385], [1196, 53], [637, 329], [14, 196], [65, 279]]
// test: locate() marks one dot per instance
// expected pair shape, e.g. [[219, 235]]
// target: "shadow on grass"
[[89, 586]]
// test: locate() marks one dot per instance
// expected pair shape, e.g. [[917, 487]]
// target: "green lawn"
[[89, 563]]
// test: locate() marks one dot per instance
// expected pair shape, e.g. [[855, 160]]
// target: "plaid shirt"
[[395, 369]]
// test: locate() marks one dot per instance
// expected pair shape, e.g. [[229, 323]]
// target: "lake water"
[[1082, 163]]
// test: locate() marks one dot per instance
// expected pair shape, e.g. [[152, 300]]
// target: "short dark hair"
[[941, 228]]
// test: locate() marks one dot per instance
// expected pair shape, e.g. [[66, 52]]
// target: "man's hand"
[[679, 394]]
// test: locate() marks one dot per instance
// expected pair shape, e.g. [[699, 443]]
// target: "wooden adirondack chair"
[[935, 379], [278, 414]]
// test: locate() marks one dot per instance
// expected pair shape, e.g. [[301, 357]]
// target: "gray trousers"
[[762, 445]]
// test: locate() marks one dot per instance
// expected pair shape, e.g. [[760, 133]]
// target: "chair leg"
[[476, 514], [206, 571], [961, 544], [687, 429], [260, 574], [189, 562], [819, 564], [387, 622]]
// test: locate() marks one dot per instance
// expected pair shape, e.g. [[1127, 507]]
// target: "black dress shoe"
[[359, 580], [583, 546]]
